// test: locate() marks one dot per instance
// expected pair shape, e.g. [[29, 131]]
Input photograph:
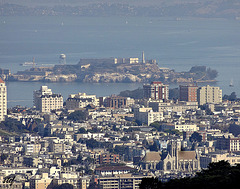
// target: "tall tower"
[[62, 59], [143, 58], [3, 100]]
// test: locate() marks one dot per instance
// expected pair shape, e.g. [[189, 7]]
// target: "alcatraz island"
[[112, 70]]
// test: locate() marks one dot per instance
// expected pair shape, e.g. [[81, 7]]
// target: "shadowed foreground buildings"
[[217, 175], [111, 143]]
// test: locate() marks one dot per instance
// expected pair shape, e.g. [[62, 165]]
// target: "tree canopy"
[[195, 137], [78, 115], [217, 175], [64, 186]]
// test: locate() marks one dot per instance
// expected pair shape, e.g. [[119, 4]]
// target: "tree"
[[150, 183], [156, 125], [3, 157], [195, 137], [124, 138], [91, 143], [217, 175], [78, 115], [64, 186], [82, 130], [174, 93], [154, 147], [211, 74]]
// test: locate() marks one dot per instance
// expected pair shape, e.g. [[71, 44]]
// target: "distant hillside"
[[160, 8]]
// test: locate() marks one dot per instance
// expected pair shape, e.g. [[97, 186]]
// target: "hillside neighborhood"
[[115, 142]]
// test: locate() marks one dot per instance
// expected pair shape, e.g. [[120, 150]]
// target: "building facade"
[[124, 181], [147, 115], [156, 91], [118, 102], [188, 93], [45, 101], [3, 100], [81, 100], [209, 94]]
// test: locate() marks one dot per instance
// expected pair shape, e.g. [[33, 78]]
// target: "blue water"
[[176, 44]]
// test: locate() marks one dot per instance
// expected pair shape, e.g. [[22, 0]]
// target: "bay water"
[[176, 43]]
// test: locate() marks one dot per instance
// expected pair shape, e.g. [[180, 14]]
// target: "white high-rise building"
[[45, 100], [3, 100]]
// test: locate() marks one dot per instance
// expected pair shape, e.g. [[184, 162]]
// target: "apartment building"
[[46, 101], [124, 181], [147, 115], [156, 91], [81, 100], [118, 101], [188, 93], [209, 94]]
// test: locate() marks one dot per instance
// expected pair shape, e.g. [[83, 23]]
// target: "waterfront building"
[[156, 91], [46, 101], [188, 93], [81, 100], [209, 94], [3, 100]]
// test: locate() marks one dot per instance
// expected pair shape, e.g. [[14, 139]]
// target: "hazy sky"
[[85, 2]]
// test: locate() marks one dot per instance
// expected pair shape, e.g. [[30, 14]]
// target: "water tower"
[[62, 59]]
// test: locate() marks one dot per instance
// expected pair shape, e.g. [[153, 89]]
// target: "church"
[[171, 160]]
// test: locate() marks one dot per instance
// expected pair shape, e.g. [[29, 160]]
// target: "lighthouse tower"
[[143, 58]]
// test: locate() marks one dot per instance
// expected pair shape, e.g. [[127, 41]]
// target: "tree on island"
[[231, 97]]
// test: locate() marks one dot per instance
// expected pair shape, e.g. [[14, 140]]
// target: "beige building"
[[124, 181], [216, 157], [180, 127], [32, 148], [84, 182], [174, 107], [3, 100], [209, 94], [40, 181], [45, 101], [81, 100]]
